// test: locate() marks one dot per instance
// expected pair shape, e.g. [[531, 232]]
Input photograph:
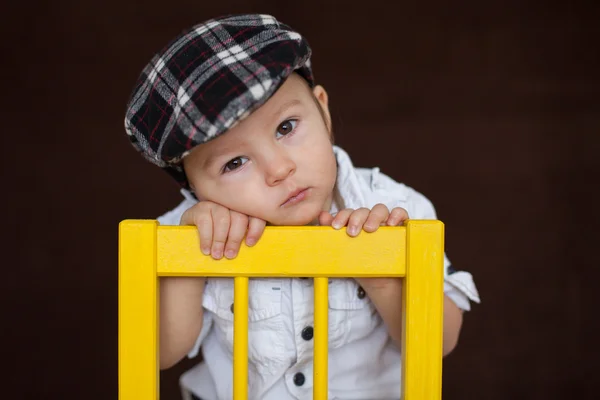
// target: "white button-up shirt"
[[364, 363]]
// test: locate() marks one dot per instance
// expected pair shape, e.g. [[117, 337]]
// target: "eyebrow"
[[209, 161], [285, 107]]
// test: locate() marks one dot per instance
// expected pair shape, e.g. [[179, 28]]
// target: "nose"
[[278, 168]]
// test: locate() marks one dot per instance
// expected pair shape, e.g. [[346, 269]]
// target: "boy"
[[230, 109]]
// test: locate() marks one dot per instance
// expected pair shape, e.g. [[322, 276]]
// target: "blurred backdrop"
[[491, 109]]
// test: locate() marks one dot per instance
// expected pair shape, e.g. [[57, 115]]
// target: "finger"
[[256, 227], [325, 218], [378, 215], [341, 219], [397, 216], [200, 217], [221, 221], [237, 230], [356, 221]]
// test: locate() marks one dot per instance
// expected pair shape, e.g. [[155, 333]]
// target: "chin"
[[297, 218]]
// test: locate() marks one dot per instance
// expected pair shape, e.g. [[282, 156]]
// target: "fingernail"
[[336, 225], [206, 251], [250, 241], [217, 254], [352, 230], [230, 253]]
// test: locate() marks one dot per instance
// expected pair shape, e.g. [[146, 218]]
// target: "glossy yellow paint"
[[321, 339], [148, 251], [138, 311], [298, 251], [240, 338], [423, 302]]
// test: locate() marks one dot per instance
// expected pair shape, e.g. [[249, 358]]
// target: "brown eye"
[[286, 127], [234, 164]]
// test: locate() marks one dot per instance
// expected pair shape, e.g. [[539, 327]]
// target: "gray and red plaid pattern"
[[207, 79]]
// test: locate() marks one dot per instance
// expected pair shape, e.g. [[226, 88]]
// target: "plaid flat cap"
[[207, 79]]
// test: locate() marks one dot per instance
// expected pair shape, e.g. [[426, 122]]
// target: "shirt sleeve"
[[458, 284]]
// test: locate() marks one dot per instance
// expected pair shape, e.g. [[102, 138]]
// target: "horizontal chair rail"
[[298, 251]]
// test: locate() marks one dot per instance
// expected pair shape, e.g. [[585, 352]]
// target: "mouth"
[[295, 197]]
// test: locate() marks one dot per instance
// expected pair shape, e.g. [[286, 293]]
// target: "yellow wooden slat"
[[138, 311], [240, 338], [423, 297], [288, 251], [321, 338]]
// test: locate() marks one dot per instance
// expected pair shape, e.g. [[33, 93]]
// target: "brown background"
[[489, 108]]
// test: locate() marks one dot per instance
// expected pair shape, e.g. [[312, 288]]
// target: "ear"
[[320, 94]]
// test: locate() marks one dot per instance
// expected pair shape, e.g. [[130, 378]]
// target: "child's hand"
[[363, 218], [221, 229], [369, 220]]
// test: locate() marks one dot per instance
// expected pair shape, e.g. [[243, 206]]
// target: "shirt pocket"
[[352, 316], [265, 324]]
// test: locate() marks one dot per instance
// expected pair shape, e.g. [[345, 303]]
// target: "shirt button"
[[299, 379], [361, 293], [231, 308], [307, 333]]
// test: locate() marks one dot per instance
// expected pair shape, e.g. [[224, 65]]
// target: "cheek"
[[321, 153], [240, 194]]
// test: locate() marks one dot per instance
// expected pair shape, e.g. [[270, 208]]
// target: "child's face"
[[277, 164]]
